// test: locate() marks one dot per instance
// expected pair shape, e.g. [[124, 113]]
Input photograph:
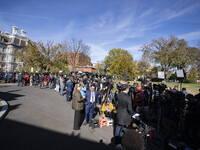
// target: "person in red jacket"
[[45, 80], [139, 97], [26, 79]]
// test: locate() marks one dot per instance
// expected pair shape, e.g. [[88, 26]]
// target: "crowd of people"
[[104, 95]]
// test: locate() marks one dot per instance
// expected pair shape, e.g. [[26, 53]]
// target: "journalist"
[[124, 112]]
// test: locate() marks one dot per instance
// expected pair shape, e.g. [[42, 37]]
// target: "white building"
[[9, 42]]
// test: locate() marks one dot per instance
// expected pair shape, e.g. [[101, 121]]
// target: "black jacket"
[[124, 109]]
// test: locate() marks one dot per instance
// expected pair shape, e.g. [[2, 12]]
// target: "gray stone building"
[[8, 43]]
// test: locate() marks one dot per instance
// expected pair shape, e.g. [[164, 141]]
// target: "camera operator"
[[133, 90], [113, 92], [132, 93], [147, 86], [119, 86], [154, 115], [192, 121], [156, 93], [124, 112]]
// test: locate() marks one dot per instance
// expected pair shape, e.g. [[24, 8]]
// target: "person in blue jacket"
[[83, 89], [69, 88], [5, 77]]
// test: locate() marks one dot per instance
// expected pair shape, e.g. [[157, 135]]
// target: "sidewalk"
[[3, 108]]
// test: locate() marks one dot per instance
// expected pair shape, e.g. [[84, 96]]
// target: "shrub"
[[189, 80]]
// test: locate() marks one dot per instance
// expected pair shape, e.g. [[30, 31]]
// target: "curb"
[[3, 108], [8, 84]]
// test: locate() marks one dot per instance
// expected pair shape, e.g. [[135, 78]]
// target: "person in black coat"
[[124, 112]]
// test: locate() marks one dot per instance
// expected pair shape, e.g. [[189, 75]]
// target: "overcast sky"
[[103, 24]]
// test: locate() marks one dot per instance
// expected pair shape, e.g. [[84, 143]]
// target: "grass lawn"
[[191, 88]]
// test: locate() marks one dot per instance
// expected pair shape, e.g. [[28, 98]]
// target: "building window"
[[6, 39]]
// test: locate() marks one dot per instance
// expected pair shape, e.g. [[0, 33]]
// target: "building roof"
[[85, 67], [14, 38]]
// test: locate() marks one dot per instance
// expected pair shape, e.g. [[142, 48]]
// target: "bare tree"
[[75, 48]]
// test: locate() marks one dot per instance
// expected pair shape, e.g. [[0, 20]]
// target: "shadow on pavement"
[[13, 91], [7, 96], [17, 135], [13, 107]]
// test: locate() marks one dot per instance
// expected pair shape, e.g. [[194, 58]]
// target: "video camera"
[[159, 87], [133, 89]]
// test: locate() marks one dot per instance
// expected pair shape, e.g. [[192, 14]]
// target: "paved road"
[[42, 119]]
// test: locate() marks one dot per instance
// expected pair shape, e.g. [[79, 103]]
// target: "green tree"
[[49, 52], [60, 63], [154, 71], [195, 57], [123, 68], [169, 53], [42, 56], [143, 66], [29, 55], [113, 54]]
